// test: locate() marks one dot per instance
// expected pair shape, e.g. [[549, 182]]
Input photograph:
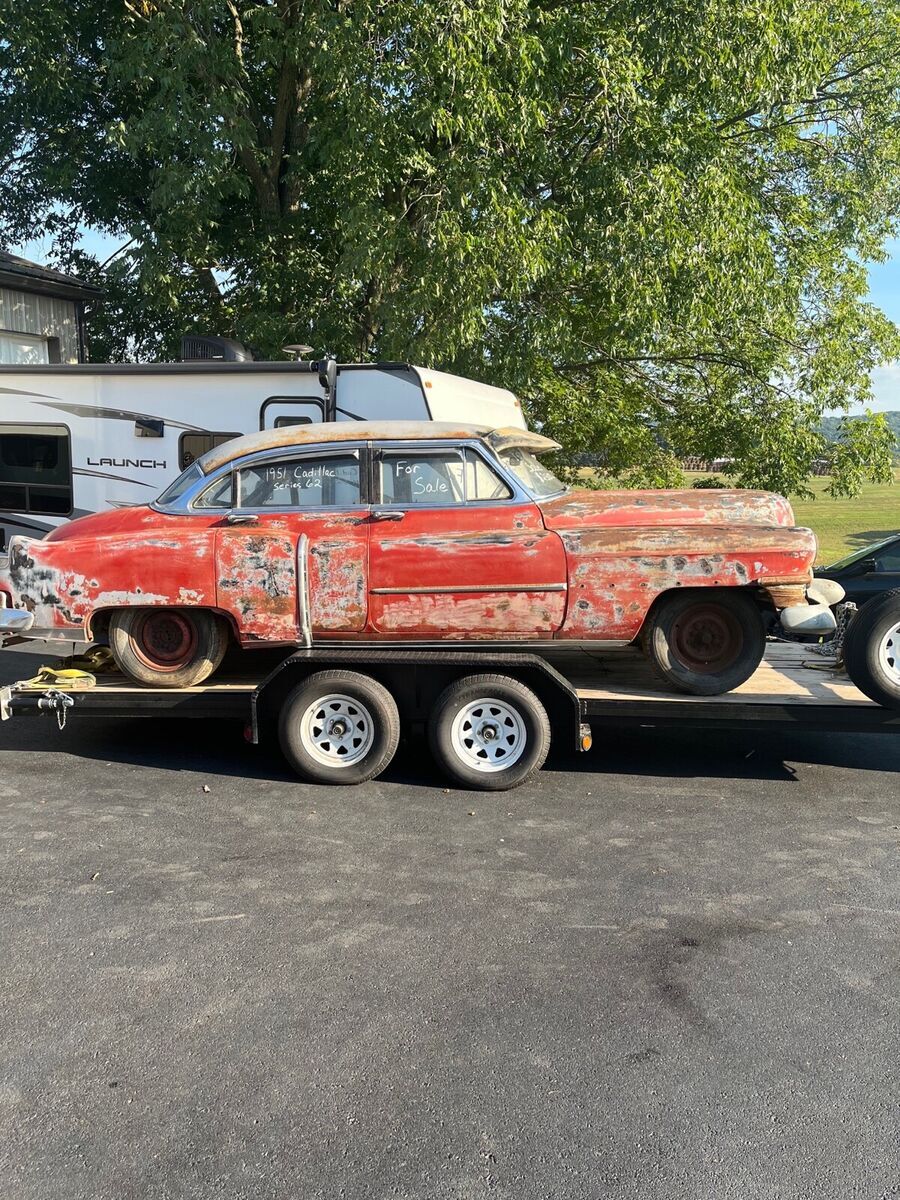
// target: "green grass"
[[845, 525]]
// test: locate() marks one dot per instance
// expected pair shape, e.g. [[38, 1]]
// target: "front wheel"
[[489, 732], [167, 647], [705, 643], [872, 649], [339, 727]]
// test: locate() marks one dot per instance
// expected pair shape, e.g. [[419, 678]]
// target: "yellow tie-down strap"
[[66, 679]]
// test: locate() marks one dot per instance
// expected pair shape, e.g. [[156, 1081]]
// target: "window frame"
[[517, 496], [318, 452], [38, 426]]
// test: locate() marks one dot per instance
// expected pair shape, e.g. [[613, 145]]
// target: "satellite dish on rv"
[[297, 352]]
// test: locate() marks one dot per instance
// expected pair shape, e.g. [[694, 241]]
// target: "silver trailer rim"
[[488, 735], [889, 652], [337, 731]]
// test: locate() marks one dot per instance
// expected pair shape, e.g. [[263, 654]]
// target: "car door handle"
[[241, 519], [388, 514]]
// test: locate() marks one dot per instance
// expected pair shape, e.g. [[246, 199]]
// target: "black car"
[[867, 572]]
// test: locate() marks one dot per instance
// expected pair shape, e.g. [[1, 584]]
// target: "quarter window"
[[218, 495], [318, 481], [35, 469]]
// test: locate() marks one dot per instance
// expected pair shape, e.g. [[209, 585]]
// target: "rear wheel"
[[872, 649], [705, 644], [489, 732], [167, 647], [339, 727]]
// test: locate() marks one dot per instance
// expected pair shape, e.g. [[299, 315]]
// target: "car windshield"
[[859, 555], [530, 472], [176, 490]]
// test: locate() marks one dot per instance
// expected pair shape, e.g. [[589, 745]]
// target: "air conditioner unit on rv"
[[213, 349]]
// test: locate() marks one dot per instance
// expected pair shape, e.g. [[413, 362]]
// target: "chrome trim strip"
[[303, 589], [458, 589]]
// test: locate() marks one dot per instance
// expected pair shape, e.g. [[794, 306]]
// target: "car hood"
[[112, 520], [687, 506]]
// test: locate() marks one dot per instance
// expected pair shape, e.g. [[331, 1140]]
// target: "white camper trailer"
[[75, 439]]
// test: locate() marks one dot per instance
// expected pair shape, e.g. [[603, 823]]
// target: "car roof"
[[336, 432]]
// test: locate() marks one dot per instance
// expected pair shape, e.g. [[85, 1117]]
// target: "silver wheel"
[[488, 735], [889, 652], [337, 731]]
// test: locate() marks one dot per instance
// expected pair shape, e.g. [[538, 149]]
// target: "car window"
[[530, 471], [888, 559], [314, 481], [482, 482], [422, 477], [218, 494]]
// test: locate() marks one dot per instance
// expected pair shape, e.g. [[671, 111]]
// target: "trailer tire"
[[489, 732], [872, 649], [705, 643], [167, 647], [339, 727]]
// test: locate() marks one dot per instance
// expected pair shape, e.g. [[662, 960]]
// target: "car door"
[[292, 552], [456, 551]]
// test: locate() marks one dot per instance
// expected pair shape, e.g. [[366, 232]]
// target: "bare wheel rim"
[[165, 640], [488, 734], [706, 638], [889, 653], [337, 730]]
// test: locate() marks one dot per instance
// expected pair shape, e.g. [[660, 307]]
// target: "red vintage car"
[[413, 533]]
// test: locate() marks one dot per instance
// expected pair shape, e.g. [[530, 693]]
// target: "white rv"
[[78, 438]]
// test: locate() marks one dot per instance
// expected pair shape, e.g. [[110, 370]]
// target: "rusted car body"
[[398, 532]]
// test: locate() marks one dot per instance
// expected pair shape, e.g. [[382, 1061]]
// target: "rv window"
[[288, 422], [192, 445], [35, 469]]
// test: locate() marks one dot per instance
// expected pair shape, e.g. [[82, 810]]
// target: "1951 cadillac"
[[415, 533]]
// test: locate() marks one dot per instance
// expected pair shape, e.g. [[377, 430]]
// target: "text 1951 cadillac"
[[414, 533]]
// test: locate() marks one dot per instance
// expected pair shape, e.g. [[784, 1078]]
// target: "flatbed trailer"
[[794, 688]]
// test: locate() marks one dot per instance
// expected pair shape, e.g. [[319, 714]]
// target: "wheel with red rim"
[[705, 643], [167, 647]]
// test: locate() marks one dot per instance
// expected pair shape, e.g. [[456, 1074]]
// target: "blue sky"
[[884, 289]]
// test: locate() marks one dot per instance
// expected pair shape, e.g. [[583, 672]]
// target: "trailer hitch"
[[56, 702]]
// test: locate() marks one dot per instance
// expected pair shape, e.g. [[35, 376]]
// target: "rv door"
[[279, 411]]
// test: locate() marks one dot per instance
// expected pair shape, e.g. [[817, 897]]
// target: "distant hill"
[[831, 426]]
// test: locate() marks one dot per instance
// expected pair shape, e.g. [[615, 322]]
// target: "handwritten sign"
[[423, 479]]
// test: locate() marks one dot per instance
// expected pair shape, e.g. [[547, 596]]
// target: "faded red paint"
[[587, 565]]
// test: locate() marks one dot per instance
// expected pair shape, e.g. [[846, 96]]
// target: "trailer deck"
[[793, 687]]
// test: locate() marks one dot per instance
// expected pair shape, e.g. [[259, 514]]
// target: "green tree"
[[648, 219]]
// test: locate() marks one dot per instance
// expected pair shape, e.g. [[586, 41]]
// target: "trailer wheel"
[[872, 649], [167, 647], [339, 727], [705, 643], [489, 732]]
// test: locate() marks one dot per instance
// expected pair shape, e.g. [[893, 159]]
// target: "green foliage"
[[862, 454], [646, 219]]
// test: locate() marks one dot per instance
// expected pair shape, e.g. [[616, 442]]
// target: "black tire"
[[457, 750], [872, 649], [362, 704], [167, 647], [705, 642]]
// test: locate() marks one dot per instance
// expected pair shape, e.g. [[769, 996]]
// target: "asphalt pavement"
[[666, 969]]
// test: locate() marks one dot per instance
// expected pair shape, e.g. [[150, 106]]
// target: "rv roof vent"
[[213, 349]]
